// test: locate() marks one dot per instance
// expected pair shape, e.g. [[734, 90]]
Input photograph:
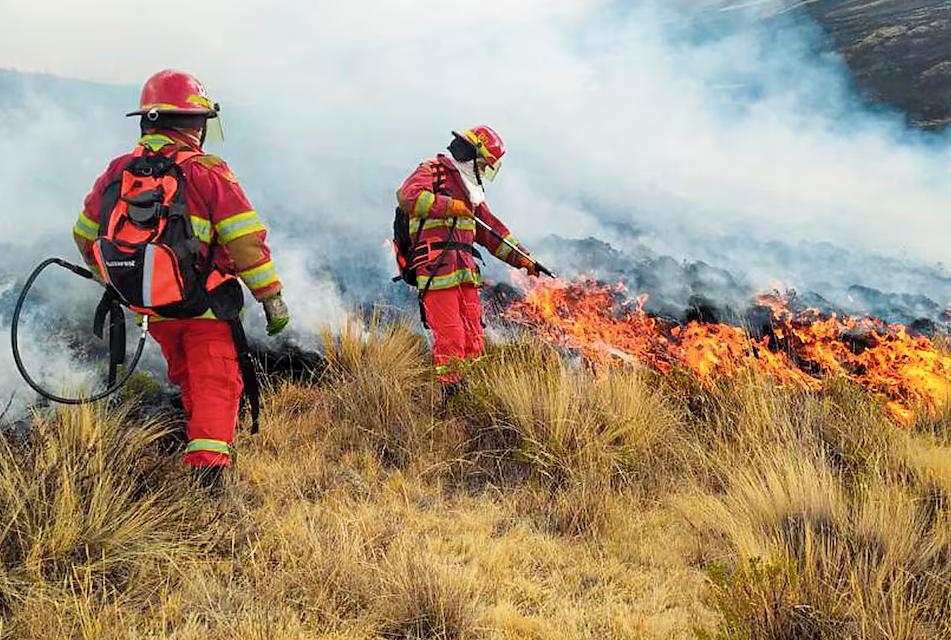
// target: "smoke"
[[711, 131]]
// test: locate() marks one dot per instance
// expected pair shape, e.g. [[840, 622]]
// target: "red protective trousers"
[[203, 363], [455, 317]]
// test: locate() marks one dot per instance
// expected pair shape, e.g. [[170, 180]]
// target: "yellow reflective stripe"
[[215, 446], [463, 224], [260, 277], [208, 315], [201, 101], [155, 141], [505, 249], [424, 203], [454, 279], [458, 364], [239, 226], [86, 228], [202, 228]]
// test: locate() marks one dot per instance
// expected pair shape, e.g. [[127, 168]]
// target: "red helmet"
[[175, 93], [489, 147]]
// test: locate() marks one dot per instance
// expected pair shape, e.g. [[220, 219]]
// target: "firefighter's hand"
[[524, 262], [460, 209], [276, 313]]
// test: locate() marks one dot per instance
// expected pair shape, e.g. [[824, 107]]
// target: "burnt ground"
[[899, 52]]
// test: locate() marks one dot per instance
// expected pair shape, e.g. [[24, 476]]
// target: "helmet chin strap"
[[478, 174]]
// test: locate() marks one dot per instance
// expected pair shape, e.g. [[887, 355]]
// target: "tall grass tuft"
[[826, 519], [90, 509], [423, 599], [380, 388], [585, 435]]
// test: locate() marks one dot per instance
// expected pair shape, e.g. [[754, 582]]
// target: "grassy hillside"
[[550, 502], [897, 52]]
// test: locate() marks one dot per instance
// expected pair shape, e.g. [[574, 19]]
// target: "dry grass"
[[547, 503]]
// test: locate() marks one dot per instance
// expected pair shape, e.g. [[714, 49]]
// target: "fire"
[[804, 349]]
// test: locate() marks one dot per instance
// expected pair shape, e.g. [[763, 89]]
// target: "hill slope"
[[897, 50]]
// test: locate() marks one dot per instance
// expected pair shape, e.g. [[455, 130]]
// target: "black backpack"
[[403, 247], [147, 250], [406, 245]]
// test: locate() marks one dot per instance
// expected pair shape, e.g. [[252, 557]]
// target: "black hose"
[[14, 330]]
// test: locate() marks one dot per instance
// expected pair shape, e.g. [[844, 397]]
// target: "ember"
[[802, 348]]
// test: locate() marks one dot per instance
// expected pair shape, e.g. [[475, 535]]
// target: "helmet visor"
[[489, 172], [214, 132]]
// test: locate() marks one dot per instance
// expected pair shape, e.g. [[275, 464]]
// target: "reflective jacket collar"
[[161, 138]]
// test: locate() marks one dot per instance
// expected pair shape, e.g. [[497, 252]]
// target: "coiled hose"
[[14, 332]]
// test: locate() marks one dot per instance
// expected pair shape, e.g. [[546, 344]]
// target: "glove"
[[276, 313], [460, 209], [528, 264]]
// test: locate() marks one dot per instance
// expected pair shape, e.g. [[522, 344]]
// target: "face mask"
[[470, 178]]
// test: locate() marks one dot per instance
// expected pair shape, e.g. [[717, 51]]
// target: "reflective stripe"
[[463, 224], [454, 279], [238, 226], [147, 275], [504, 249], [155, 141], [208, 315], [214, 446], [202, 229], [86, 228], [260, 277], [458, 365], [424, 203]]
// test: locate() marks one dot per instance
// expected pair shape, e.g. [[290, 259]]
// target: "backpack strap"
[[252, 389], [110, 306]]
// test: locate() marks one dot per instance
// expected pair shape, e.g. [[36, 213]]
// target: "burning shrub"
[[796, 345]]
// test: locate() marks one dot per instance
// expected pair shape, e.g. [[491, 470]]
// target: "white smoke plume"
[[690, 120]]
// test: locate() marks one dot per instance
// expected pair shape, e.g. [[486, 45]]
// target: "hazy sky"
[[114, 40]]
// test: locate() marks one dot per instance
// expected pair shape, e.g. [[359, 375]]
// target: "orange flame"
[[604, 324]]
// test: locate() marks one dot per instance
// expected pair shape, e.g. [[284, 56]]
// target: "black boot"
[[211, 479], [450, 390]]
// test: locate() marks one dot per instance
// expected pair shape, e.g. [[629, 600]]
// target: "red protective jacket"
[[218, 207], [436, 213]]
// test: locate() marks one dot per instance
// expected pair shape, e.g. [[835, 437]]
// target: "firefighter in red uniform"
[[445, 202], [176, 114]]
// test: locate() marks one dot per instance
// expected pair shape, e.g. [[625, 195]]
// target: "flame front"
[[806, 347]]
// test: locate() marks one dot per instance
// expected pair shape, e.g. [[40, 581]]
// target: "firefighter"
[[444, 200], [176, 115]]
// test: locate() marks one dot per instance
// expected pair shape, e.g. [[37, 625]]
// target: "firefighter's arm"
[[501, 242], [417, 199], [86, 229], [241, 232]]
